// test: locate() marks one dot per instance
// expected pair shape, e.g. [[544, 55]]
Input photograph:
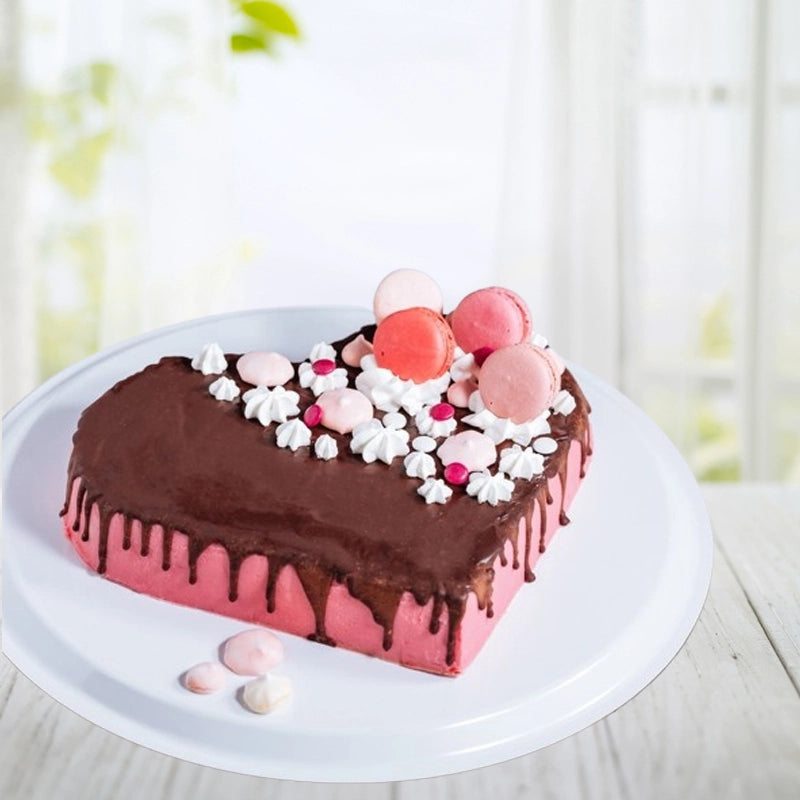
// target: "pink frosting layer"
[[348, 621]]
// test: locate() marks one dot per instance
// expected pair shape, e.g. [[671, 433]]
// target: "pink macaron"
[[490, 318], [406, 288], [518, 382]]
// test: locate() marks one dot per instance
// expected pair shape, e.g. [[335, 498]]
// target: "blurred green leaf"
[[101, 80], [272, 16], [78, 168], [716, 328], [243, 43]]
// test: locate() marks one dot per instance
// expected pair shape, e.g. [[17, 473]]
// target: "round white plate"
[[616, 595]]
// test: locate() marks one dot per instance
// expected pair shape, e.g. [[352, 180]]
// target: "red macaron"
[[415, 344]]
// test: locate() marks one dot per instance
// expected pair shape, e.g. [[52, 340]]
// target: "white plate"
[[616, 595]]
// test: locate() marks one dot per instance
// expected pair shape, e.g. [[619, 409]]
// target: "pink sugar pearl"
[[323, 366], [442, 411], [456, 474], [312, 415], [481, 354]]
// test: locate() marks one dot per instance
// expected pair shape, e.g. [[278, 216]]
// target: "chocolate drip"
[[382, 601], [209, 485], [317, 585], [102, 544], [528, 535], [166, 551], [436, 612], [196, 547], [455, 611], [274, 566], [147, 529], [127, 527], [542, 521], [79, 509], [482, 584], [70, 485], [234, 565], [514, 550], [503, 557], [563, 519]]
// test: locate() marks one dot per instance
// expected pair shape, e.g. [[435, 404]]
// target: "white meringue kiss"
[[266, 693]]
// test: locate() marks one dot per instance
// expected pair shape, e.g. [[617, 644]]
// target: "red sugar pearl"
[[312, 415], [481, 354], [456, 473], [323, 366], [442, 411]]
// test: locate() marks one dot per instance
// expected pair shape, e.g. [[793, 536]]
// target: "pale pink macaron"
[[490, 318], [252, 652], [406, 288], [554, 358], [518, 382], [262, 368]]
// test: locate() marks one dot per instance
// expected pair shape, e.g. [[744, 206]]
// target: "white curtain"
[[561, 236], [117, 204], [630, 166], [650, 206], [17, 335]]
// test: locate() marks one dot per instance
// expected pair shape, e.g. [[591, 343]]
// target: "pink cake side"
[[348, 621]]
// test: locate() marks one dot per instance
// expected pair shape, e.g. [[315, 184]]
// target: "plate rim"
[[17, 652]]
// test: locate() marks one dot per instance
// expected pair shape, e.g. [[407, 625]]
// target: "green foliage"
[[76, 123], [717, 455], [102, 77], [272, 16], [242, 43], [716, 328], [78, 167], [262, 22], [66, 335]]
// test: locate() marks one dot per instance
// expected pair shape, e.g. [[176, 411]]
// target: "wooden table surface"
[[722, 720]]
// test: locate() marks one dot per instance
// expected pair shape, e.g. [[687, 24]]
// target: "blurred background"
[[631, 167]]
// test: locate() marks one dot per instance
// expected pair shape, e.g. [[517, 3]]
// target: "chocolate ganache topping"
[[159, 449]]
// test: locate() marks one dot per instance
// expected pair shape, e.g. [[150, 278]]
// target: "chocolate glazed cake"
[[179, 495]]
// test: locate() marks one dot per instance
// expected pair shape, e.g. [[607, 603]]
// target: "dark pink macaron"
[[490, 318]]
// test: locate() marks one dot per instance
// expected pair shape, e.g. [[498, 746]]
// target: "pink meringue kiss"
[[252, 652], [204, 678], [355, 350], [518, 382], [475, 451], [343, 409], [262, 368], [458, 393]]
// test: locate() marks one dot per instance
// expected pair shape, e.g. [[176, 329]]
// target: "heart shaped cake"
[[389, 494]]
